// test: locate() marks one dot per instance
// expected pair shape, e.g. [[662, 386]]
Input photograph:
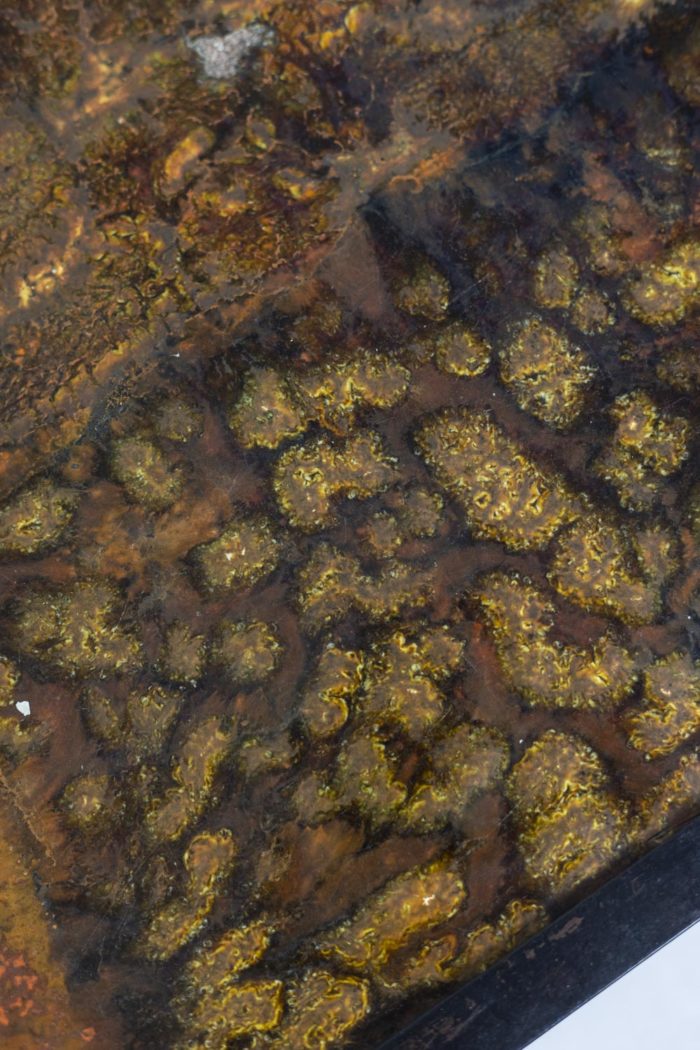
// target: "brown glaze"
[[349, 573]]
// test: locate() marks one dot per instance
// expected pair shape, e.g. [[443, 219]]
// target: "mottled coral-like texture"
[[349, 499]]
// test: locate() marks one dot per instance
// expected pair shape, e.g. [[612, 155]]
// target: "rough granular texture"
[[349, 499]]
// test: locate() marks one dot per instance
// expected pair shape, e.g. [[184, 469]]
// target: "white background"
[[656, 1006]]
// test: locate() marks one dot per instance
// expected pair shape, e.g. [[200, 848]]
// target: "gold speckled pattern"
[[349, 499]]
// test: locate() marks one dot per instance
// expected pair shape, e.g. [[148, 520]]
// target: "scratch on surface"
[[26, 818]]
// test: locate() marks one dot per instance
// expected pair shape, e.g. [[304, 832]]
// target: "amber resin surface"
[[349, 499]]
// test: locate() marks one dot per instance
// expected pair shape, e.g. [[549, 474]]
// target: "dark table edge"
[[574, 958]]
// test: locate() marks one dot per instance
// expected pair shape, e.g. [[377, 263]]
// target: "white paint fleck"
[[24, 707], [223, 56]]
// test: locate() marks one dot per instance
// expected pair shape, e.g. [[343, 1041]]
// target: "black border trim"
[[572, 959]]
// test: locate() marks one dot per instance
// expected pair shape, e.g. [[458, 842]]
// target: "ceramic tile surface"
[[350, 508]]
